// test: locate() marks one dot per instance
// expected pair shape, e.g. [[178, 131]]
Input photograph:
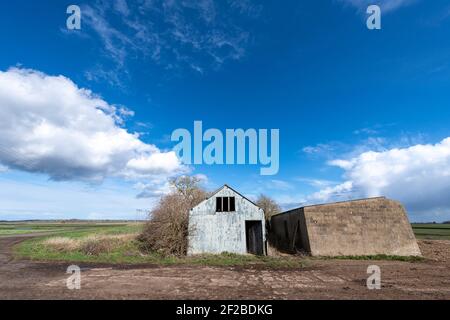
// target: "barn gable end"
[[216, 232]]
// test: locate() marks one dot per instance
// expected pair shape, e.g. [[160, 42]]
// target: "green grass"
[[8, 228], [432, 231], [129, 252], [36, 249]]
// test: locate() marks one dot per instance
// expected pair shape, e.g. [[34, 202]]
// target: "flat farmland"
[[432, 231]]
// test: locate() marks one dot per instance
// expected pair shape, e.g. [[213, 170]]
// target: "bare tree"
[[168, 228], [189, 188], [269, 206]]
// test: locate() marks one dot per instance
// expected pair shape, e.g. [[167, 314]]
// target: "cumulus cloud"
[[157, 187], [418, 175], [49, 125], [153, 189], [386, 5], [341, 191]]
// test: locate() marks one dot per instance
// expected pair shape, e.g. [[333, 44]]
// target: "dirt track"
[[329, 279]]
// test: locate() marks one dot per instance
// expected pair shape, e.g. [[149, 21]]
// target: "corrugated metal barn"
[[227, 222]]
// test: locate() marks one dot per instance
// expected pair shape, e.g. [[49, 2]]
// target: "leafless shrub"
[[91, 245], [168, 228], [61, 244], [269, 206]]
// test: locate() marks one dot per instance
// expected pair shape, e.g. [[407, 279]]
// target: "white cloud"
[[153, 189], [247, 7], [386, 5], [317, 183], [49, 125], [338, 192], [196, 34], [318, 149], [154, 163], [333, 149], [202, 178], [275, 184], [122, 7], [418, 176], [367, 131], [157, 187]]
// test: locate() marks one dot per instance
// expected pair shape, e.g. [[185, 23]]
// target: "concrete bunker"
[[376, 226]]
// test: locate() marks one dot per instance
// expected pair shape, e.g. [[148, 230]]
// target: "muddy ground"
[[320, 279]]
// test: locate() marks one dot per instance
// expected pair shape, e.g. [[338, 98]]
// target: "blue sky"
[[361, 112]]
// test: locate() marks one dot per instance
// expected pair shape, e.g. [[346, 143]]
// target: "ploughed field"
[[34, 258]]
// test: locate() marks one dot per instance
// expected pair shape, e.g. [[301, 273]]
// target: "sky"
[[86, 116]]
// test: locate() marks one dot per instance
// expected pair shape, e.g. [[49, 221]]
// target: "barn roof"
[[234, 190], [327, 204]]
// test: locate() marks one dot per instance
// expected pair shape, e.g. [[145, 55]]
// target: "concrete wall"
[[363, 227], [217, 232], [288, 232]]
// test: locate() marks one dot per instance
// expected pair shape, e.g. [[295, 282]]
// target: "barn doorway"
[[254, 235]]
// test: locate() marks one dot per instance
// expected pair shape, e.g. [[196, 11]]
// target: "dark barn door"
[[253, 231]]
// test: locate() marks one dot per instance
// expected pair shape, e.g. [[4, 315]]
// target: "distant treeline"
[[71, 221], [434, 222]]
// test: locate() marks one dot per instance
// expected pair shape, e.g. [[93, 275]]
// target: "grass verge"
[[129, 253], [117, 245]]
